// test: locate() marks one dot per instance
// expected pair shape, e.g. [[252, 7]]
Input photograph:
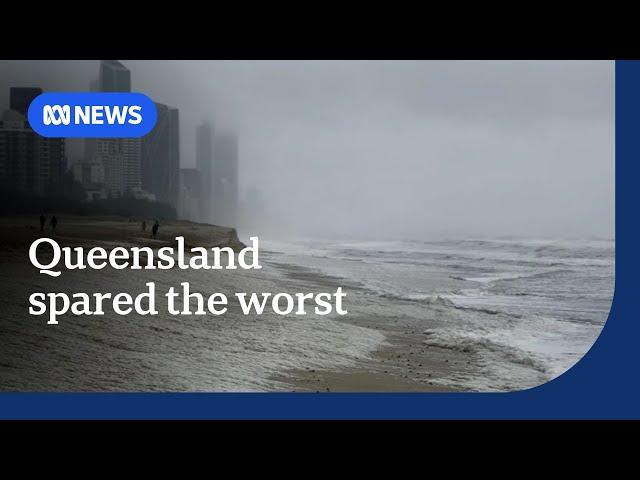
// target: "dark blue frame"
[[603, 385]]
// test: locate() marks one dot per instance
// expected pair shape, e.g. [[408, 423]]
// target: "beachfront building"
[[190, 190], [114, 77], [225, 180], [90, 143], [120, 158], [204, 163], [29, 163], [21, 97], [140, 194], [160, 160]]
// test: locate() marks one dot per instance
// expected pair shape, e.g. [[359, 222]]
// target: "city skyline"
[[145, 168]]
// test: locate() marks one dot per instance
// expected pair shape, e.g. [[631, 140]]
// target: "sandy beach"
[[371, 349]]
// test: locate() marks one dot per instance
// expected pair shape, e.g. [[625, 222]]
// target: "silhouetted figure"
[[43, 219], [54, 222], [154, 229], [144, 225]]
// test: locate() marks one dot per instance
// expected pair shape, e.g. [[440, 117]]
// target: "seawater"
[[530, 308]]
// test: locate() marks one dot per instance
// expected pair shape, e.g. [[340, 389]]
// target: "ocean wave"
[[419, 298], [506, 277], [443, 301], [464, 260], [483, 345], [487, 311]]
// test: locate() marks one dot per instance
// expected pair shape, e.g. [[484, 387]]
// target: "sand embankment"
[[17, 233]]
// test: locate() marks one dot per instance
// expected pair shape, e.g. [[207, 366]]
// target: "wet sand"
[[403, 366], [403, 363]]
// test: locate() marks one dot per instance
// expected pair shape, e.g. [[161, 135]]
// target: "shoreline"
[[401, 363], [397, 367]]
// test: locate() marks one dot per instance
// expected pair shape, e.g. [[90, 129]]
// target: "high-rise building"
[[114, 77], [225, 179], [29, 163], [21, 97], [121, 157], [160, 164], [90, 143], [190, 189], [204, 163], [121, 160]]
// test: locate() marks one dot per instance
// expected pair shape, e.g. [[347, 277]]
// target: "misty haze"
[[395, 149]]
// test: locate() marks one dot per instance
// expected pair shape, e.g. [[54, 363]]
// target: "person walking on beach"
[[54, 222], [43, 219], [154, 229], [144, 225]]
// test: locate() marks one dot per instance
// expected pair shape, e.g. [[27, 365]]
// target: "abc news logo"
[[92, 115]]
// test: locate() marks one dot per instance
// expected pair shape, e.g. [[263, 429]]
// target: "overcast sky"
[[395, 149]]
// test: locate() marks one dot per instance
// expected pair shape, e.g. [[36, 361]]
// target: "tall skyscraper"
[[114, 77], [190, 189], [160, 167], [121, 157], [21, 97], [90, 143], [225, 180], [204, 163], [29, 163]]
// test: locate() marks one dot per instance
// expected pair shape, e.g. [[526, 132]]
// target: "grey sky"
[[396, 149]]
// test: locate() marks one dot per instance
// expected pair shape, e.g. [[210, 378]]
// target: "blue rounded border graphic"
[[602, 385]]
